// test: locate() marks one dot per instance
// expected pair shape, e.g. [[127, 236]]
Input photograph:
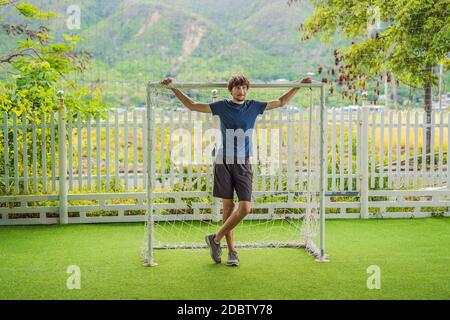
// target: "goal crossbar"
[[206, 85]]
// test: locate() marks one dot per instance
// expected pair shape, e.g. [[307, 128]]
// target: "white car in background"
[[376, 108], [292, 108], [351, 108]]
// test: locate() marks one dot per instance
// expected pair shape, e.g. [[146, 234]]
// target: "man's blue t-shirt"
[[236, 123]]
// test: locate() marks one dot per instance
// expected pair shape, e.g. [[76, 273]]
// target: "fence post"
[[448, 152], [364, 158], [63, 212]]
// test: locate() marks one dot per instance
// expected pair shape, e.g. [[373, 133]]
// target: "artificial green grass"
[[414, 257]]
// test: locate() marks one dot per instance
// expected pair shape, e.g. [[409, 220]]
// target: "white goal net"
[[287, 165]]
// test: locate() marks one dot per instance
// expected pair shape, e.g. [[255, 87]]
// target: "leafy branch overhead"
[[406, 38], [409, 38], [40, 66]]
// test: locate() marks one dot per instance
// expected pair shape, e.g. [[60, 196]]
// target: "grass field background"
[[414, 257]]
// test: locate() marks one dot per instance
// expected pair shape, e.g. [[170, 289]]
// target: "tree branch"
[[10, 56]]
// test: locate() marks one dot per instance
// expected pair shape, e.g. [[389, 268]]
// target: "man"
[[232, 168]]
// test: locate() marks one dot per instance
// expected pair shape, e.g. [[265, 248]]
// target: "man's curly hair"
[[238, 80]]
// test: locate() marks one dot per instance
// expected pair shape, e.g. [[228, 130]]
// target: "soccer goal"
[[288, 166]]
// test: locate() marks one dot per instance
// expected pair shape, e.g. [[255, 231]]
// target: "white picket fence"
[[376, 165]]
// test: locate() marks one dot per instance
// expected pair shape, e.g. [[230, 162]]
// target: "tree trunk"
[[394, 90], [386, 90], [441, 84]]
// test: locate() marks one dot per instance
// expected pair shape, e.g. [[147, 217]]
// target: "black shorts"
[[233, 176]]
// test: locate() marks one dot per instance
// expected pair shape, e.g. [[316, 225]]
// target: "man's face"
[[239, 93]]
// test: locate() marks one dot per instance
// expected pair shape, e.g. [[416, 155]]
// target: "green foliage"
[[30, 11], [37, 69], [40, 68]]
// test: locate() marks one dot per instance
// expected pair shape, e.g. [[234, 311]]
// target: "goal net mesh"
[[286, 166]]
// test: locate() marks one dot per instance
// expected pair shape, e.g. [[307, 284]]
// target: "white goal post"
[[312, 228]]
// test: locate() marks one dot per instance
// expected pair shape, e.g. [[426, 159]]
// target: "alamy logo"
[[374, 280], [74, 280], [373, 20], [73, 22], [197, 147]]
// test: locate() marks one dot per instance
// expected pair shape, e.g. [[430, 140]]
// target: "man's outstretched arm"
[[187, 101], [285, 98]]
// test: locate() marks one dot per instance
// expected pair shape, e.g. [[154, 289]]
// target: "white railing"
[[105, 164]]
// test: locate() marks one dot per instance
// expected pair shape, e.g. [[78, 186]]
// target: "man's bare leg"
[[234, 219], [228, 209]]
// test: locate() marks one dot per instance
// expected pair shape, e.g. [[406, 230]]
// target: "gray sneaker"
[[233, 259], [214, 248]]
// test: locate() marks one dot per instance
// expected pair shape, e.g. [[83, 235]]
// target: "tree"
[[410, 38], [31, 76], [40, 66]]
